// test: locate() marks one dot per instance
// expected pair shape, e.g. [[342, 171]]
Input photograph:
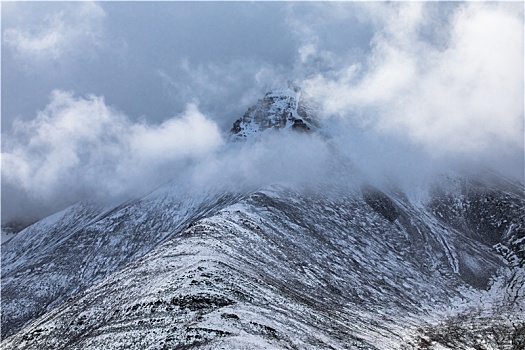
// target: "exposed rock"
[[278, 110]]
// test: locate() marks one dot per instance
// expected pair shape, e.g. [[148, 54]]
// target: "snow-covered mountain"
[[285, 109], [67, 252], [327, 265]]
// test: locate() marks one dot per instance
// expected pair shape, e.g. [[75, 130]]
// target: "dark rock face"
[[299, 125], [380, 203], [201, 301], [495, 218], [236, 127], [486, 214]]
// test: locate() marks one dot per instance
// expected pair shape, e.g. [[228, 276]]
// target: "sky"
[[103, 99]]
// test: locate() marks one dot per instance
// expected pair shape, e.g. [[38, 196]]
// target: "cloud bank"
[[460, 94], [78, 147]]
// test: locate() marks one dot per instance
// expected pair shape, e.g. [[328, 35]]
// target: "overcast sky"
[[94, 93]]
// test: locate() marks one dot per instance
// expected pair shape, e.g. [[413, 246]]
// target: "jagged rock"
[[278, 110], [299, 125]]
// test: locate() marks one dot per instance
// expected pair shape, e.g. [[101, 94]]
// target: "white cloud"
[[72, 30], [462, 96], [193, 135], [276, 157], [84, 147]]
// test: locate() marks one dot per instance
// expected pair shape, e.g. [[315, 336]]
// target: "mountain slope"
[[65, 253], [282, 268]]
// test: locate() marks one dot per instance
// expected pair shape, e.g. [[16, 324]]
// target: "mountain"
[[279, 109], [67, 252], [341, 263]]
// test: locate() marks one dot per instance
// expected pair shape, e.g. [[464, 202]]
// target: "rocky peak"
[[286, 108]]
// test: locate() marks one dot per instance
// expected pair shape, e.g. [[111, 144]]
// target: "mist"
[[94, 109]]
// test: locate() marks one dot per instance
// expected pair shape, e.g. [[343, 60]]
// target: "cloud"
[[401, 84], [456, 88], [283, 156], [70, 31], [78, 147]]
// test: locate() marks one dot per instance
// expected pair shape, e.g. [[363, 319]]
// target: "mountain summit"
[[286, 108], [284, 266]]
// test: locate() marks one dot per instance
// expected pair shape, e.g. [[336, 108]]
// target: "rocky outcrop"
[[278, 110]]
